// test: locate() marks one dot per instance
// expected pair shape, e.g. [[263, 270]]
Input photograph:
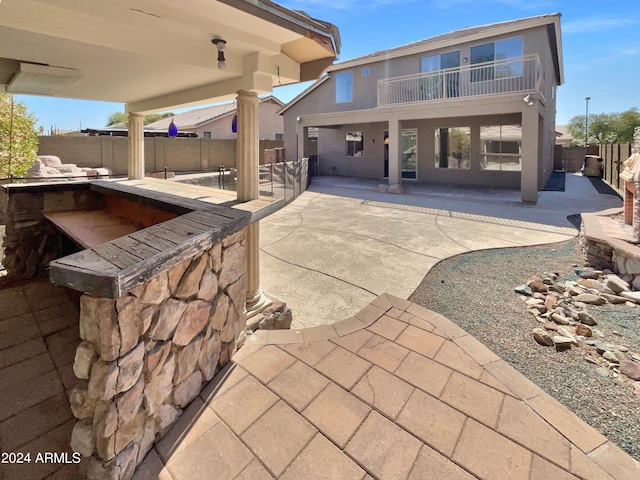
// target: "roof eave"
[[492, 30]]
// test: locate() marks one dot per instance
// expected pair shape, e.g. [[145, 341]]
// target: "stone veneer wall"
[[145, 356], [597, 254], [30, 241]]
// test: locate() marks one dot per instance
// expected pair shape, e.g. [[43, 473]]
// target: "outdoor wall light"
[[221, 45], [528, 99]]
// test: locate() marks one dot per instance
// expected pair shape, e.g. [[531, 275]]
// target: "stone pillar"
[[301, 135], [135, 165], [530, 143], [247, 155]]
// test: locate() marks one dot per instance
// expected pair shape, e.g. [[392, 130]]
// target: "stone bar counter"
[[162, 305]]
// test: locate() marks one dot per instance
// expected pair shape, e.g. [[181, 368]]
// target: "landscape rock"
[[588, 273], [616, 284], [524, 290], [610, 356], [537, 285], [583, 330], [563, 342], [542, 337], [560, 319], [632, 296], [613, 299], [630, 368], [587, 319], [590, 299]]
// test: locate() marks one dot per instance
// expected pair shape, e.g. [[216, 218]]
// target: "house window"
[[354, 144], [501, 147], [440, 84], [206, 134], [453, 148], [280, 136], [501, 51], [365, 72], [344, 87]]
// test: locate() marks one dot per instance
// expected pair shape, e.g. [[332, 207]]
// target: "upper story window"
[[206, 134], [437, 86], [365, 72], [440, 61], [509, 48], [344, 87]]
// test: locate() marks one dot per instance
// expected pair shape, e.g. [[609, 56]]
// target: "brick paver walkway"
[[395, 392], [38, 339]]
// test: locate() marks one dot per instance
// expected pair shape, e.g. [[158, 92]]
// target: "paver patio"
[[408, 395]]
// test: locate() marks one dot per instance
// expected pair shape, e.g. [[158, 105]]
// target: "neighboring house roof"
[[201, 116], [562, 133], [551, 20]]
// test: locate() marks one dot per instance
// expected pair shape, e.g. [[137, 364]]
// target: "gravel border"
[[476, 291]]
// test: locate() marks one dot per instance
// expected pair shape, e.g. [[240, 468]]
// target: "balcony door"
[[443, 84]]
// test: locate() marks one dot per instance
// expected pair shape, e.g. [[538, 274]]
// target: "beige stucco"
[[318, 108]]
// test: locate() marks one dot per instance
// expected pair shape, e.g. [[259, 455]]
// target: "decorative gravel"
[[476, 291]]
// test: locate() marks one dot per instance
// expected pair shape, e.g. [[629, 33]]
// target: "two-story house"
[[474, 107]]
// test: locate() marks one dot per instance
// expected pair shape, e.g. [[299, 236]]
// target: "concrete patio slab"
[[342, 243]]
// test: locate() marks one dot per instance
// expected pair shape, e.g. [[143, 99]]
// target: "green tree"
[[605, 127], [18, 137], [116, 117], [121, 117]]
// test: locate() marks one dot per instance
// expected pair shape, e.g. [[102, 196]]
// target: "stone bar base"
[[145, 356]]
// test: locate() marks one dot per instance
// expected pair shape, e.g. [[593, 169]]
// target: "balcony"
[[522, 74]]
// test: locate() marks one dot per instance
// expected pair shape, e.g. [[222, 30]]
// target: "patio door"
[[409, 152]]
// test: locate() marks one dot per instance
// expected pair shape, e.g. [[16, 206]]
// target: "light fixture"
[[220, 45], [173, 129], [528, 99]]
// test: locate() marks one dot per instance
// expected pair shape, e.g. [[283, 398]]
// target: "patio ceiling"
[[157, 54]]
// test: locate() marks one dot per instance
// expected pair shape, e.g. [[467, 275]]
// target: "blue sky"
[[600, 39]]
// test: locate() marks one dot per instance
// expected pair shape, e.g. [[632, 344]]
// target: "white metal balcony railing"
[[522, 74]]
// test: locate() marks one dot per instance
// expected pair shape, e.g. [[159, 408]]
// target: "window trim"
[[353, 143], [348, 86]]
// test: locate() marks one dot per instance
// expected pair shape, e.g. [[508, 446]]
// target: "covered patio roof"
[[157, 55]]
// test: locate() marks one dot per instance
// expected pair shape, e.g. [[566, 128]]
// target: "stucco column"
[[395, 172], [529, 173], [300, 139], [135, 163], [247, 155]]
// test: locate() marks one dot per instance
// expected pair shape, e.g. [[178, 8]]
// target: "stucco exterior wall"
[[363, 114]]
